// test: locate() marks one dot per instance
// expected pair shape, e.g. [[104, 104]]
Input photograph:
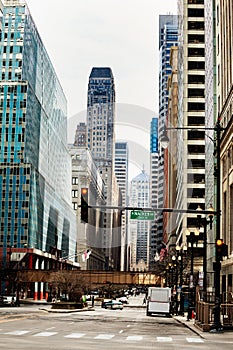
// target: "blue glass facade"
[[35, 166]]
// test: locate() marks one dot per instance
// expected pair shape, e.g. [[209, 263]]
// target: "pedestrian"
[[144, 301]]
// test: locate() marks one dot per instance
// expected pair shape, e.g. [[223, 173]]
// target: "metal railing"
[[204, 318]]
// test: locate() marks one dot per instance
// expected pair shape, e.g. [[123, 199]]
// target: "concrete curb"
[[189, 324]]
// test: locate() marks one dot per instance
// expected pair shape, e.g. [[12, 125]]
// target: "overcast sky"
[[121, 34]]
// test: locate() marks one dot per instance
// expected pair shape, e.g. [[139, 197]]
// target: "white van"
[[158, 301]]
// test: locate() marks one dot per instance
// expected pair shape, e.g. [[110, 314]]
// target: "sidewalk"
[[226, 335]]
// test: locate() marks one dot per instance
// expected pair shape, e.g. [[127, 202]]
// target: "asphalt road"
[[32, 328]]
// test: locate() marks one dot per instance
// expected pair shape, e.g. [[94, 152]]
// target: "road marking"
[[17, 332], [195, 340], [45, 334], [75, 335], [121, 331], [164, 339], [134, 337], [12, 320], [105, 336], [47, 329]]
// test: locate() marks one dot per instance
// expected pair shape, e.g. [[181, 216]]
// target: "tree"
[[73, 286]]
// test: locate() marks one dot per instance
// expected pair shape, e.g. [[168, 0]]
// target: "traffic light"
[[84, 205], [221, 249]]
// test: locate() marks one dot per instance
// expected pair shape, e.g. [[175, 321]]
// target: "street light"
[[204, 222], [192, 237], [181, 250], [217, 327]]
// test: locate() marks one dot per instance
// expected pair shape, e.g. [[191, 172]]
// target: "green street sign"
[[142, 215]]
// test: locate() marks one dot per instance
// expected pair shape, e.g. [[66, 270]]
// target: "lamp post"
[[192, 237], [204, 222], [217, 327], [182, 252]]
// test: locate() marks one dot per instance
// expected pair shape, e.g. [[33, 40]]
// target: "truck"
[[158, 301]]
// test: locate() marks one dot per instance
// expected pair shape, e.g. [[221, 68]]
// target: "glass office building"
[[168, 37], [154, 168], [35, 166]]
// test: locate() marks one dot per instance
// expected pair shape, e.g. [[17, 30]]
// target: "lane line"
[[164, 339]]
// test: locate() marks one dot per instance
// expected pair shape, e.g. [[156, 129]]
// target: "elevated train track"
[[93, 277]]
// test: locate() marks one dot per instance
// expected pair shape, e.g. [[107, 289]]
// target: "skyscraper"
[[139, 237], [154, 239], [121, 172], [101, 115], [168, 37], [101, 142], [81, 135], [191, 114], [35, 188]]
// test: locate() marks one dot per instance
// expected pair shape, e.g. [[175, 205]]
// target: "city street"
[[34, 327]]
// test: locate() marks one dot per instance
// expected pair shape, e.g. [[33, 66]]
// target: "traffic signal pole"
[[217, 311]]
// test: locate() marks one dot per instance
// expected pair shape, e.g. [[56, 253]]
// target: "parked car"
[[8, 300], [113, 304], [105, 301]]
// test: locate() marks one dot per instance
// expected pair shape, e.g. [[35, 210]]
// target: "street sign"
[[142, 215]]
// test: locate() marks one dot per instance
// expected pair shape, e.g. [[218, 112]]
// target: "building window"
[[196, 79], [74, 193], [196, 107], [196, 39], [196, 65], [196, 25], [195, 12], [74, 180], [196, 93], [75, 205], [199, 2], [196, 52]]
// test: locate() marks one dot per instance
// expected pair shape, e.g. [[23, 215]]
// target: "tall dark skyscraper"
[[101, 142], [101, 115]]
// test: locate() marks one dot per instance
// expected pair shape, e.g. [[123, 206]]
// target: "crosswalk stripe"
[[45, 334], [164, 339], [134, 337], [105, 336], [75, 335], [194, 340], [17, 332]]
